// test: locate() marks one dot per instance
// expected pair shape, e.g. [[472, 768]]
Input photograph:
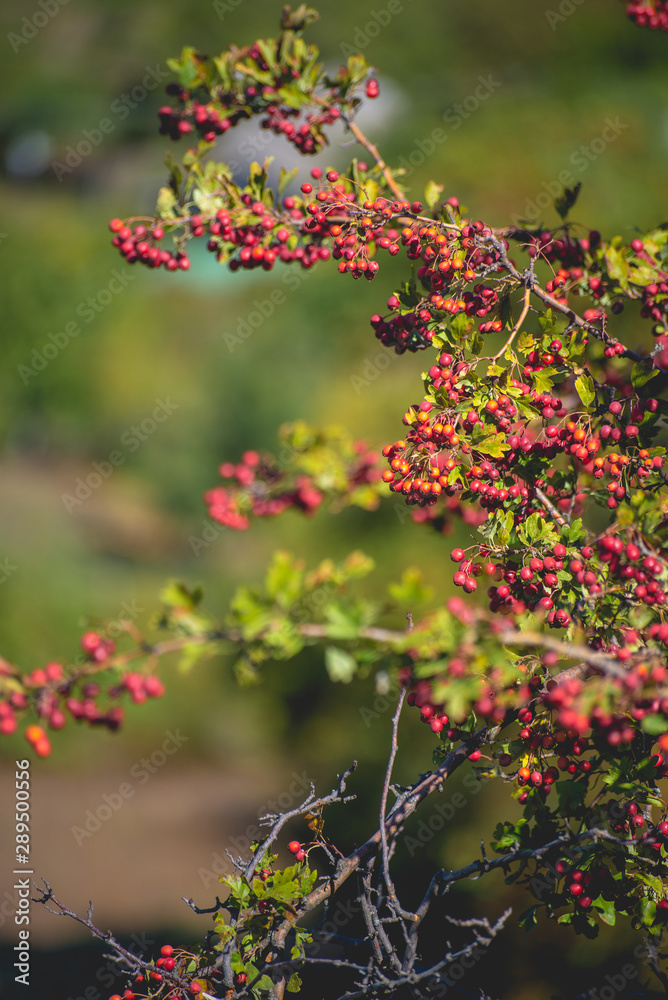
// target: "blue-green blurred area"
[[493, 100]]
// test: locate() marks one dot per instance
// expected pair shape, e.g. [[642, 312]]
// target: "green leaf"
[[648, 909], [525, 341], [297, 20], [536, 529], [617, 264], [506, 527], [654, 724], [178, 595], [529, 919], [167, 202], [264, 985], [411, 590], [433, 193], [642, 372], [504, 836], [341, 666], [571, 796], [546, 321], [357, 565], [284, 579], [286, 178], [607, 910], [186, 67], [494, 445], [564, 203], [574, 532], [294, 983], [543, 381], [584, 386]]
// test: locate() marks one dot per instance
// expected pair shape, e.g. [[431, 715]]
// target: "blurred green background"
[[555, 80]]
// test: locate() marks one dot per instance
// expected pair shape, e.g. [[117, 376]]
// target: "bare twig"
[[373, 150]]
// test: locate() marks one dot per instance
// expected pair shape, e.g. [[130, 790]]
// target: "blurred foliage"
[[161, 335]]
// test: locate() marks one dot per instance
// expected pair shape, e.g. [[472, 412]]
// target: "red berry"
[[90, 641], [294, 846]]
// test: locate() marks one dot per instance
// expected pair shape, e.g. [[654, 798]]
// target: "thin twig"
[[389, 884], [515, 330], [373, 150]]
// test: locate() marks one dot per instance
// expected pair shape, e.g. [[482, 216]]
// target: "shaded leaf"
[[341, 666]]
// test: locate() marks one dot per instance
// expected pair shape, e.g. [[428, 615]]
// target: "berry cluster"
[[406, 332], [309, 137], [210, 109], [653, 15], [207, 120], [296, 848], [261, 487], [142, 244], [54, 694], [174, 963]]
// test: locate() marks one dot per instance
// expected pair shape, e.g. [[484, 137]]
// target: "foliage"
[[538, 428]]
